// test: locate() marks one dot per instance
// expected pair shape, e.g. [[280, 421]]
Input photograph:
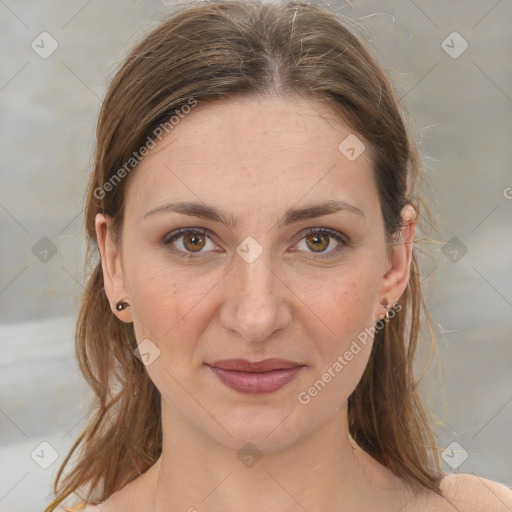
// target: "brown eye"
[[189, 242], [193, 242], [319, 242], [323, 242]]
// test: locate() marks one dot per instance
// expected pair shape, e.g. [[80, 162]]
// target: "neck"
[[323, 471]]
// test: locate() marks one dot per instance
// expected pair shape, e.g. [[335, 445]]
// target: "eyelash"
[[175, 235]]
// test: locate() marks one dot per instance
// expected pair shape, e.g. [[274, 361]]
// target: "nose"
[[257, 300]]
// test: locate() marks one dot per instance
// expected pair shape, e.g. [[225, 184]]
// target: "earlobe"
[[111, 267]]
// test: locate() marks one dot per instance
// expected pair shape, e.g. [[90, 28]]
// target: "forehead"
[[256, 154]]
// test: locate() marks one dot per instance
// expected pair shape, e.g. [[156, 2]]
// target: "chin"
[[270, 430]]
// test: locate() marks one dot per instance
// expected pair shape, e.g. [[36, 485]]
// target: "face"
[[270, 276]]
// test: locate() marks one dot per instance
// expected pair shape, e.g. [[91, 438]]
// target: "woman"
[[250, 328]]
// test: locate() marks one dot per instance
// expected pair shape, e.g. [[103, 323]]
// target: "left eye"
[[193, 240], [321, 239]]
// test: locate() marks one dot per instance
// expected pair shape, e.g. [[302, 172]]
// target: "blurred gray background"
[[458, 89]]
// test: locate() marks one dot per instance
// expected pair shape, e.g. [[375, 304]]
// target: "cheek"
[[167, 310], [340, 331], [327, 388], [168, 305], [153, 298], [338, 307]]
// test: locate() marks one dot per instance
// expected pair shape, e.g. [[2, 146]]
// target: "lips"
[[258, 377], [267, 365]]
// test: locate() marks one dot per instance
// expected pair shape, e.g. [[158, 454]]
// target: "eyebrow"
[[291, 216]]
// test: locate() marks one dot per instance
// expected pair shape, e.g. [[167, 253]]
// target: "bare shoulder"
[[125, 499], [471, 493]]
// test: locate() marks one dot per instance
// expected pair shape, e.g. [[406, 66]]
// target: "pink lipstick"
[[257, 377]]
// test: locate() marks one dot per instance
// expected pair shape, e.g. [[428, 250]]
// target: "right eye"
[[191, 240]]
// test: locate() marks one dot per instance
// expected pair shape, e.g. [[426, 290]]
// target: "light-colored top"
[[75, 508]]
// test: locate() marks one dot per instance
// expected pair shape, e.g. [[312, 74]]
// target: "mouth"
[[258, 377]]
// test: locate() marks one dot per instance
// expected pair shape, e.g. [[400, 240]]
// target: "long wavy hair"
[[210, 50]]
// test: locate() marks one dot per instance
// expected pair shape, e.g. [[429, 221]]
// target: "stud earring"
[[121, 305], [387, 305]]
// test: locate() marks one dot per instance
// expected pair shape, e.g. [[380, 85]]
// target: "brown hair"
[[207, 51]]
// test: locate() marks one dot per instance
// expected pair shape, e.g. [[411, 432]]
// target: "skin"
[[254, 158]]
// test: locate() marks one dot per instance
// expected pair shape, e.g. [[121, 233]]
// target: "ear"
[[396, 277], [111, 265]]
